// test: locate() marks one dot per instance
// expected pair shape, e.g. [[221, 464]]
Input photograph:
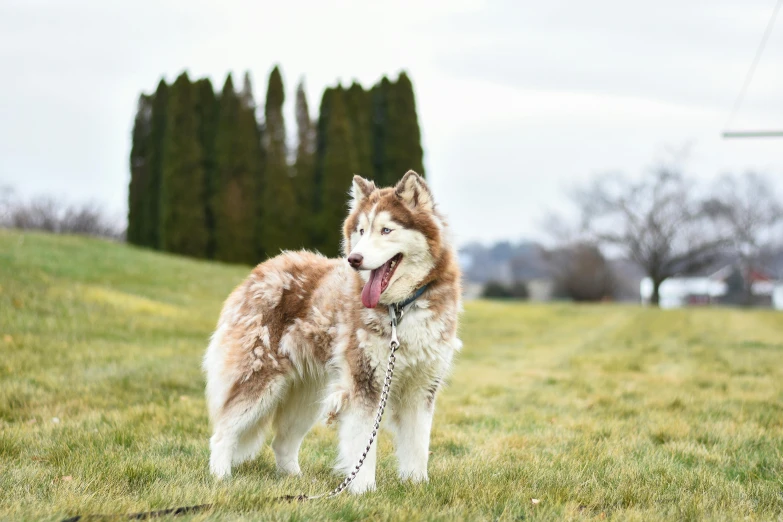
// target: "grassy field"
[[596, 412]]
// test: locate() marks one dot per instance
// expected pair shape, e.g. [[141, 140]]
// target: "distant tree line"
[[54, 215], [209, 180], [659, 225], [668, 225], [576, 272]]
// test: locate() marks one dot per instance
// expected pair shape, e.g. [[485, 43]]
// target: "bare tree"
[[749, 208], [89, 220], [581, 272], [41, 213], [657, 221], [52, 215]]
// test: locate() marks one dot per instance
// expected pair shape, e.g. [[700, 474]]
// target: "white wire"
[[752, 70]]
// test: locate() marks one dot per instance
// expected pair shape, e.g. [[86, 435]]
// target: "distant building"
[[721, 287], [471, 290], [541, 289], [777, 297], [528, 262]]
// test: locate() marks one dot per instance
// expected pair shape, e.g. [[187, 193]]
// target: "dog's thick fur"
[[295, 344]]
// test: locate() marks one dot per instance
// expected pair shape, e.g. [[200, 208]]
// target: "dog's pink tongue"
[[371, 293]]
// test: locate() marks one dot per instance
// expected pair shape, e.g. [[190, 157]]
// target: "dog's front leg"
[[412, 427], [356, 425]]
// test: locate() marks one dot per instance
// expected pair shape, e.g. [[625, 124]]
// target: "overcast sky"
[[518, 100]]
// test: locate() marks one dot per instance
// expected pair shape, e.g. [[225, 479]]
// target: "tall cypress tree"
[[395, 127], [280, 226], [321, 139], [358, 105], [252, 143], [207, 111], [259, 155], [150, 232], [305, 166], [183, 223], [379, 106], [407, 133], [139, 171], [234, 199], [337, 169]]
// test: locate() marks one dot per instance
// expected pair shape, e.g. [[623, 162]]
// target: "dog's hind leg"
[[250, 442], [293, 419], [239, 427]]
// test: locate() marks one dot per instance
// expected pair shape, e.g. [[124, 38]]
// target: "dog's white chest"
[[424, 342]]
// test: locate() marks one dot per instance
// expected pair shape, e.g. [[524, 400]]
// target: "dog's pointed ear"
[[360, 189], [414, 192]]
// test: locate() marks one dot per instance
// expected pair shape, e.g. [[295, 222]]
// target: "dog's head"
[[393, 237]]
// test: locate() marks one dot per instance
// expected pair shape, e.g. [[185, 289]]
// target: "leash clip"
[[396, 315]]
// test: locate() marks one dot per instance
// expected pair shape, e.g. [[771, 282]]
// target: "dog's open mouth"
[[379, 281]]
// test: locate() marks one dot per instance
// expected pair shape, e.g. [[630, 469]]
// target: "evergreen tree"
[[150, 232], [379, 106], [337, 169], [207, 111], [256, 158], [183, 223], [281, 224], [396, 134], [257, 145], [139, 170], [321, 139], [234, 198], [358, 105], [405, 128], [304, 166]]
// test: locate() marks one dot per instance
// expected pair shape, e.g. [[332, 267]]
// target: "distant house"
[[724, 286], [505, 263], [777, 297], [471, 290], [529, 263], [541, 289]]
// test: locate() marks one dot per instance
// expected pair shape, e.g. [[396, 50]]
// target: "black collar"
[[412, 297], [397, 310]]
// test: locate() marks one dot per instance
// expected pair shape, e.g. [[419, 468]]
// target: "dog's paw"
[[289, 468], [414, 477], [220, 471], [358, 487]]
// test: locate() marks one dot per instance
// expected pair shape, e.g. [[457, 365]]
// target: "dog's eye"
[[386, 231], [361, 231]]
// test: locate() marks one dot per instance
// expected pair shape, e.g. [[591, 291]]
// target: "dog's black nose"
[[355, 260]]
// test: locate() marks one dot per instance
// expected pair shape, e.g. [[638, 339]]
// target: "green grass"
[[600, 412]]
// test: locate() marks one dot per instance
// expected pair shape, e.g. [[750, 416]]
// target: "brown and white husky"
[[305, 338]]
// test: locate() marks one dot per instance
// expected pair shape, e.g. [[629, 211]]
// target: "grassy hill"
[[597, 412]]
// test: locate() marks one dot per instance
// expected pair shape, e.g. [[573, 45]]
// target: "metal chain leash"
[[393, 345], [396, 314]]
